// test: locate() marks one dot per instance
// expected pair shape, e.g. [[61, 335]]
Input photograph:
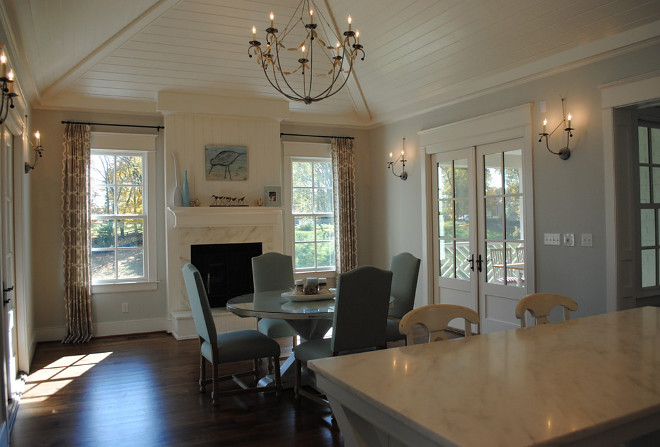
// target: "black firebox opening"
[[226, 269]]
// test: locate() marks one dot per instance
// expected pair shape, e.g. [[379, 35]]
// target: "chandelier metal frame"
[[341, 57]]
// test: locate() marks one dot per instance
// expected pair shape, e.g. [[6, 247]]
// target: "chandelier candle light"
[[309, 39]]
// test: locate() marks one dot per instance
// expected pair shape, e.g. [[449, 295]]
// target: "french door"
[[482, 254]]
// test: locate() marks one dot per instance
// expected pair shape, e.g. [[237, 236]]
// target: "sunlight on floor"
[[43, 383]]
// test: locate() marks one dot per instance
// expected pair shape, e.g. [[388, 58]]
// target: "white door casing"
[[471, 139]]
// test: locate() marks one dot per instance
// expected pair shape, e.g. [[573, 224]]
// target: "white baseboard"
[[57, 333]]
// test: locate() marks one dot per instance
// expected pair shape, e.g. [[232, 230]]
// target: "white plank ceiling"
[[118, 55]]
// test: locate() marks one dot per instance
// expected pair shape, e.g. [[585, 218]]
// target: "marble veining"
[[515, 388]]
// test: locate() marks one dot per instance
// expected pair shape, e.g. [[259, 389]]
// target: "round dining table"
[[311, 318]]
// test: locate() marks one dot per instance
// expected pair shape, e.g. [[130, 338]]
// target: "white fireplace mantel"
[[236, 216]]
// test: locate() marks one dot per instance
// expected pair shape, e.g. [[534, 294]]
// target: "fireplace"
[[226, 269]]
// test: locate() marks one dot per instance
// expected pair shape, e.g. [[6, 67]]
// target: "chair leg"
[[298, 379], [255, 365], [270, 365], [202, 374], [215, 395], [278, 377]]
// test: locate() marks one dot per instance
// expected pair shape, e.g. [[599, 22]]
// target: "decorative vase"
[[185, 190]]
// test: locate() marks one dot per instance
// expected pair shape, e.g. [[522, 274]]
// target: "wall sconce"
[[564, 153], [401, 159], [6, 84], [37, 148]]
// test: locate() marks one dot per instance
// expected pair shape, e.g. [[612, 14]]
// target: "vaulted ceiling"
[[118, 55]]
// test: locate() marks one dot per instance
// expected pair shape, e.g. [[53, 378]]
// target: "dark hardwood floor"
[[142, 390]]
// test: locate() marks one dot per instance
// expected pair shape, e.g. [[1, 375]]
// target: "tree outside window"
[[312, 210], [118, 217]]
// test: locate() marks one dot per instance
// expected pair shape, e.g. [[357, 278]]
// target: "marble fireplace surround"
[[213, 225]]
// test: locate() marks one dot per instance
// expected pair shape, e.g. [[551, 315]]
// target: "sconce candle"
[[3, 61], [37, 148], [402, 159], [37, 137], [564, 153]]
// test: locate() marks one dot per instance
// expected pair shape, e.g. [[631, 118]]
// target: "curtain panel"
[[75, 223], [343, 172]]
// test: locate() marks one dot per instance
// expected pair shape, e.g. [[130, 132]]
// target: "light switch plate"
[[551, 239], [569, 239], [587, 240]]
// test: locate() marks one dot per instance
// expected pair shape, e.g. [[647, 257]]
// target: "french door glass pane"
[[648, 268], [461, 179], [463, 256], [513, 218], [445, 181], [447, 259], [647, 230], [446, 218], [655, 145], [656, 184], [493, 174], [494, 218], [513, 172], [644, 185], [462, 221], [643, 139]]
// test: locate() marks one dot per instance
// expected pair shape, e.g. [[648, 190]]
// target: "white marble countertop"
[[555, 383]]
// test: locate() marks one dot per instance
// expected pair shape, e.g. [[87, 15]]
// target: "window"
[[649, 202], [310, 219], [119, 209]]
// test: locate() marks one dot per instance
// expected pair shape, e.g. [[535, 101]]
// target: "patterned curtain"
[[76, 250], [343, 176]]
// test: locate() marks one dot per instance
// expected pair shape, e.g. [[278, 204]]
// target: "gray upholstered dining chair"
[[228, 347], [540, 305], [405, 271], [361, 305], [273, 271]]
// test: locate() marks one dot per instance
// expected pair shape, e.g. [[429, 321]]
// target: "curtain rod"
[[117, 125], [313, 136]]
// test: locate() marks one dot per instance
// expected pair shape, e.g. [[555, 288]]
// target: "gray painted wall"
[[568, 195]]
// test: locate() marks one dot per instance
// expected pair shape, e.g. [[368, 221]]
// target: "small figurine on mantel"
[[259, 202], [228, 201]]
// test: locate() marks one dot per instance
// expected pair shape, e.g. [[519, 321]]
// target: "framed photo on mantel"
[[273, 196], [226, 163]]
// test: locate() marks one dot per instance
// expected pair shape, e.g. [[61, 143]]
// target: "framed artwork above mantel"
[[226, 163]]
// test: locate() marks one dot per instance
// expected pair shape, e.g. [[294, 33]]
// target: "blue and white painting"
[[226, 163]]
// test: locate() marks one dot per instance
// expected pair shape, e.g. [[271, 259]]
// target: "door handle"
[[471, 261], [479, 262], [4, 293]]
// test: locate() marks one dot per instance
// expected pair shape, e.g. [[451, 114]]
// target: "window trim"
[[145, 145], [300, 151]]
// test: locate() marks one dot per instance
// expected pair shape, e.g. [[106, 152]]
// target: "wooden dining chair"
[[405, 271], [540, 305], [361, 305], [435, 319], [229, 347]]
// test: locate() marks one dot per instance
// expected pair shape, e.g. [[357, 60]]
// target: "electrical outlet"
[[551, 239], [124, 308], [587, 240], [569, 239]]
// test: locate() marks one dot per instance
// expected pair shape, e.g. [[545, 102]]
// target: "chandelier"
[[321, 61]]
